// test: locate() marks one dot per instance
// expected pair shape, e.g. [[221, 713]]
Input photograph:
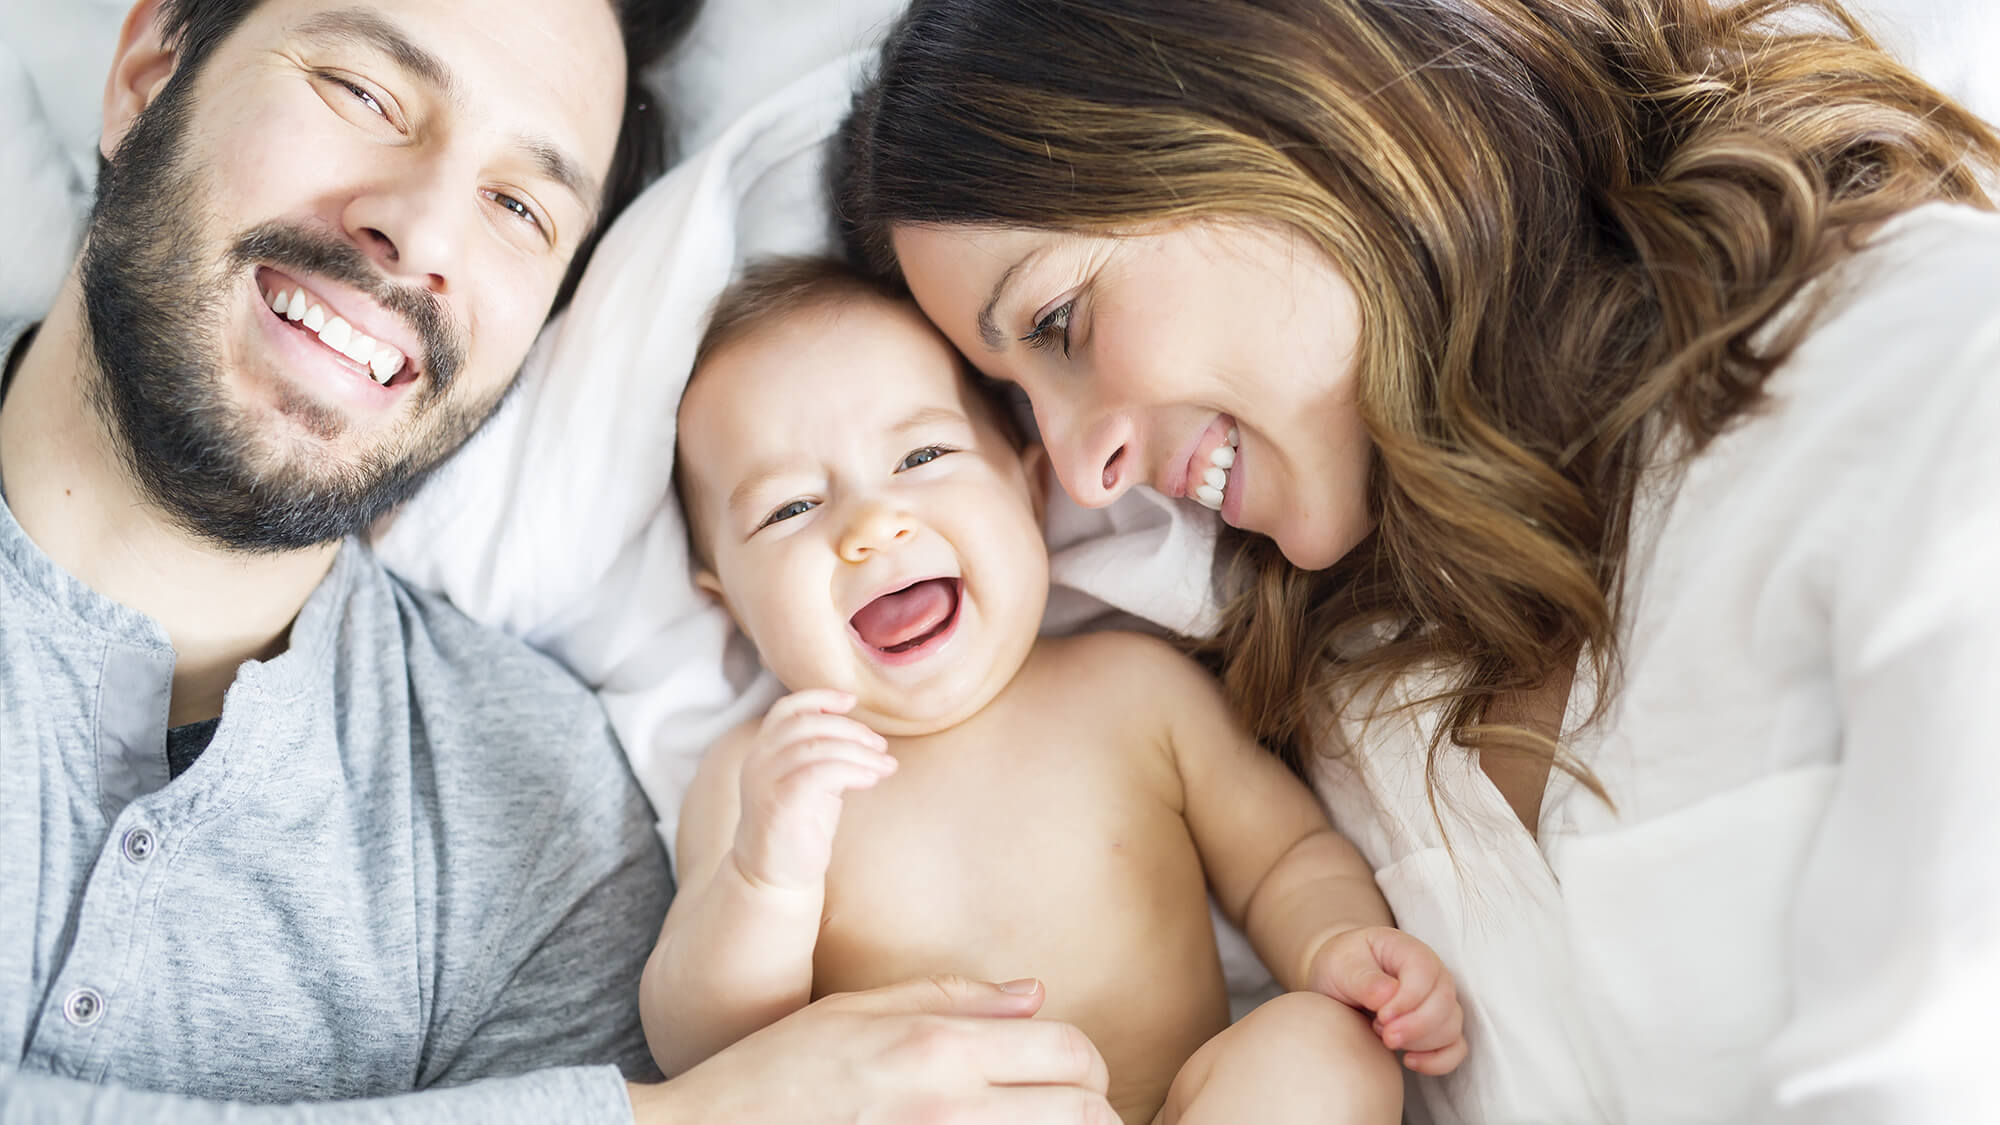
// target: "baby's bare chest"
[[1051, 858]]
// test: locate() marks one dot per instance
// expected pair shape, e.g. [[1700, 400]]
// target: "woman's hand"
[[808, 754], [942, 1051], [1383, 970]]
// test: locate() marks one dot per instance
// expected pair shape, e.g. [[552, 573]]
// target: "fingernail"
[[1026, 986]]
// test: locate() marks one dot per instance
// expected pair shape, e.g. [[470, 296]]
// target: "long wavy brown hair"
[[1570, 224]]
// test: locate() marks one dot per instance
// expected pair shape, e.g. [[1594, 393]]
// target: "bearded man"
[[275, 828]]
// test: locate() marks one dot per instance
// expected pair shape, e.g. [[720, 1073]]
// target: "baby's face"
[[871, 529]]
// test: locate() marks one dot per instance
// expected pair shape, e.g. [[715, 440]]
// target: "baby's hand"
[[1383, 970], [806, 757]]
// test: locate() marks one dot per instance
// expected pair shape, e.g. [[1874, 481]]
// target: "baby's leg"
[[1299, 1058]]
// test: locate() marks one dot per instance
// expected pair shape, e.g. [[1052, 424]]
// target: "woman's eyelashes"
[[1053, 328]]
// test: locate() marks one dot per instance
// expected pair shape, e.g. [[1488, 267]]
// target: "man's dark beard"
[[156, 311]]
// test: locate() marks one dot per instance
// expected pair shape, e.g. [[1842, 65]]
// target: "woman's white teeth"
[[1215, 479], [382, 360]]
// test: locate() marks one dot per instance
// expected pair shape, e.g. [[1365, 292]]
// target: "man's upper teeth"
[[382, 360]]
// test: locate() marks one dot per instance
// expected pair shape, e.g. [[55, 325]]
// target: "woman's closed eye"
[[916, 458], [1053, 328], [787, 510]]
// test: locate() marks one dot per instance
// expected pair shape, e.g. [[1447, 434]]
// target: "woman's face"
[[1146, 354]]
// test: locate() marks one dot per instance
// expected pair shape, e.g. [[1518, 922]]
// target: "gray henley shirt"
[[410, 880]]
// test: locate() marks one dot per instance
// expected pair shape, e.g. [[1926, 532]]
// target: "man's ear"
[[1035, 463], [141, 67]]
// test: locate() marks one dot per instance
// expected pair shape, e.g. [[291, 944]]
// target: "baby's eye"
[[787, 511], [923, 456]]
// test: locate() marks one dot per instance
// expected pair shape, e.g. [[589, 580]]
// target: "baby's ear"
[[706, 581], [1035, 463]]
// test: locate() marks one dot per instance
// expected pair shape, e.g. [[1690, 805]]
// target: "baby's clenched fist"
[[807, 755]]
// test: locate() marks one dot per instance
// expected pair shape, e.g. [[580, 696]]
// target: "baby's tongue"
[[901, 617]]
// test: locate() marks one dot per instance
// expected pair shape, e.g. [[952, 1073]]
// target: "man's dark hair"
[[649, 28]]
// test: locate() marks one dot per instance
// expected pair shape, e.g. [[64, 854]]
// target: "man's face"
[[415, 172]]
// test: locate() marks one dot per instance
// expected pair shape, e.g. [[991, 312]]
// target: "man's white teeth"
[[1215, 479], [382, 360]]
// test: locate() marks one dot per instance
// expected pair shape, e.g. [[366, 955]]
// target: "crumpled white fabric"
[[558, 524]]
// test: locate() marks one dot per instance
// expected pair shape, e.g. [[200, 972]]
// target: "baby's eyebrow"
[[928, 416], [750, 486]]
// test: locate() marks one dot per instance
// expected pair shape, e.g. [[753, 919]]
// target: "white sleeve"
[[1895, 933]]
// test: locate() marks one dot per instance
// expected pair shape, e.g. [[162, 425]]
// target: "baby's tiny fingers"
[[1441, 1061], [823, 700], [805, 755], [829, 776], [1434, 1023], [805, 728]]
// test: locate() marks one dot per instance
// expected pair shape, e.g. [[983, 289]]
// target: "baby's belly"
[[1114, 923]]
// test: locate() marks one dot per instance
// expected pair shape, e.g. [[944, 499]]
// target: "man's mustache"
[[289, 247]]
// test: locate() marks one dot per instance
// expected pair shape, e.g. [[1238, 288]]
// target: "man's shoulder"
[[474, 690]]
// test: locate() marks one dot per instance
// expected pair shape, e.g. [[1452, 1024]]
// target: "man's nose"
[[1096, 460], [875, 527], [410, 224]]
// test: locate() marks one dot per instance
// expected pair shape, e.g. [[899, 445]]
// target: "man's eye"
[[360, 95], [787, 511], [515, 207], [923, 456]]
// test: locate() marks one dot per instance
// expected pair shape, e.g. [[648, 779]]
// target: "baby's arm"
[[756, 835], [1303, 894]]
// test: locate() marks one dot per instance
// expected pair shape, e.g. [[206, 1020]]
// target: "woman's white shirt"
[[1792, 914]]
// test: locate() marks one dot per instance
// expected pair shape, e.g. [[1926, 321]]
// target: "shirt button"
[[83, 1007], [139, 845]]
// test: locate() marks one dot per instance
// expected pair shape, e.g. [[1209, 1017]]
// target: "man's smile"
[[363, 338]]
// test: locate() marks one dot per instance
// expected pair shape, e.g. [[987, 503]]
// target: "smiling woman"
[[1599, 510]]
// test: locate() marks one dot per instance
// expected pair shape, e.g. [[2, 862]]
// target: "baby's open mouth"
[[906, 619]]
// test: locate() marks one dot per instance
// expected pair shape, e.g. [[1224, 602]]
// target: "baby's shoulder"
[[1122, 667]]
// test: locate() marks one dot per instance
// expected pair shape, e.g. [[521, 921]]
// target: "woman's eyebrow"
[[996, 340]]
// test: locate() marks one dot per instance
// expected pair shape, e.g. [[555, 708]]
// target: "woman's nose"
[[1096, 465], [876, 527]]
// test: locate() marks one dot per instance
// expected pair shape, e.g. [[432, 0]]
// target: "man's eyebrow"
[[370, 29], [352, 25], [559, 166], [996, 340]]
